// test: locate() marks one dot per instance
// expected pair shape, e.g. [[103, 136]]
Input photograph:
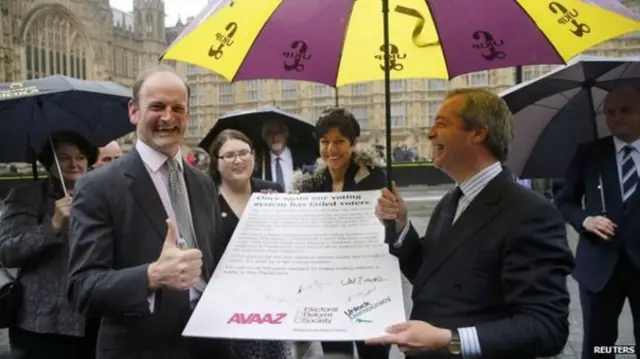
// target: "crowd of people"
[[115, 250]]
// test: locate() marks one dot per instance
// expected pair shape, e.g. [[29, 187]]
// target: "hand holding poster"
[[303, 267]]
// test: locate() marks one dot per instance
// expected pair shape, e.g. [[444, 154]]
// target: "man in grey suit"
[[143, 233]]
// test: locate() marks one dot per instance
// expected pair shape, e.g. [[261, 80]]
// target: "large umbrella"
[[32, 110], [250, 123], [339, 42], [557, 112]]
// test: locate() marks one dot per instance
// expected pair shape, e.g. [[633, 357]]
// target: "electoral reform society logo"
[[355, 313], [315, 315]]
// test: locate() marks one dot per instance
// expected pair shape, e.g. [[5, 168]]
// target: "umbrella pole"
[[55, 158], [41, 103], [518, 75], [390, 225]]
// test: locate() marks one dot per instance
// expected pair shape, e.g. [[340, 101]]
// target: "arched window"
[[148, 23], [53, 46]]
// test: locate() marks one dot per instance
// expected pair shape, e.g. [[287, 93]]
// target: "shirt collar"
[[154, 159], [480, 179], [284, 156], [620, 144]]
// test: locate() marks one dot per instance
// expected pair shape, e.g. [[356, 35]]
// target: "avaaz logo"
[[257, 318]]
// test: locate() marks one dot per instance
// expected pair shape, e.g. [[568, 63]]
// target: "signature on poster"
[[315, 285], [361, 294]]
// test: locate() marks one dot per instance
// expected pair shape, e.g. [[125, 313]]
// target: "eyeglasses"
[[231, 156]]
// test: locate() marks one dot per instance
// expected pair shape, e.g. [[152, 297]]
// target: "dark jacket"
[[580, 197], [27, 242]]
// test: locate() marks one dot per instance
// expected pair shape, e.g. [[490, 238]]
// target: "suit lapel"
[[267, 167], [296, 160], [144, 192], [632, 202], [610, 179], [198, 204], [478, 214]]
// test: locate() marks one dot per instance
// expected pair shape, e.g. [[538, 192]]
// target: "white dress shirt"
[[154, 163], [620, 145], [286, 161]]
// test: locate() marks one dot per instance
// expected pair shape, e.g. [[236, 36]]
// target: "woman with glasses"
[[232, 162]]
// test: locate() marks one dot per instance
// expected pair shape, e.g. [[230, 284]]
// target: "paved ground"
[[421, 203]]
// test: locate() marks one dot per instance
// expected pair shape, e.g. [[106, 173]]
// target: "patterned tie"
[[279, 172], [629, 173], [179, 203]]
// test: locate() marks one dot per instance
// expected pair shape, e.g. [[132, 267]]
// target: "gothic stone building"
[[79, 38]]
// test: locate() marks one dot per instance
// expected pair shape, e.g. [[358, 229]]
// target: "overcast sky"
[[172, 8]]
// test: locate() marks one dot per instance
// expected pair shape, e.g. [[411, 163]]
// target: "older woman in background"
[[34, 238], [232, 162], [343, 167]]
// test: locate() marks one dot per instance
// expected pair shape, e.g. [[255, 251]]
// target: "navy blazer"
[[596, 258]]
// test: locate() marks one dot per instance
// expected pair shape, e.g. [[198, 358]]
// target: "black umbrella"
[[249, 122], [557, 112], [560, 110], [32, 110]]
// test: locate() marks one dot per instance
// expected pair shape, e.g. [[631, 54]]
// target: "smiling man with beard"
[[143, 233], [489, 276]]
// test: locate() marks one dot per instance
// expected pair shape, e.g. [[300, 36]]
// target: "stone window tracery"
[[53, 46]]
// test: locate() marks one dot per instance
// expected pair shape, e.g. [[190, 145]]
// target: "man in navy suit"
[[608, 255]]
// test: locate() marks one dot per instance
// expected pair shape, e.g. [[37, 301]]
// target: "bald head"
[[622, 110], [108, 153]]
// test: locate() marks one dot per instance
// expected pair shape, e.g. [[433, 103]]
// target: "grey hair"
[[280, 124], [483, 108]]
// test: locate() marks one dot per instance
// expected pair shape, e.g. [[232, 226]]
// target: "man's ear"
[[133, 110], [480, 135]]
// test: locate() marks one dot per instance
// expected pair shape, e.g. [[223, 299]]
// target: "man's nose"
[[167, 114], [431, 134]]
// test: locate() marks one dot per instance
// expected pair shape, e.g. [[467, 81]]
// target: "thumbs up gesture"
[[175, 268]]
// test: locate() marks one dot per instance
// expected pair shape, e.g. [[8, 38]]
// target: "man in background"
[[608, 254], [108, 153], [280, 161]]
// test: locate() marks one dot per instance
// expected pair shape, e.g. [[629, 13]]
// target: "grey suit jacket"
[[27, 242], [117, 228]]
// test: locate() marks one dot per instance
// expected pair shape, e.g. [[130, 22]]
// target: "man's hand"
[[61, 213], [392, 207], [601, 226], [175, 268], [414, 336]]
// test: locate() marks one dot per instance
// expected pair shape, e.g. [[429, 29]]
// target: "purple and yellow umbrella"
[[339, 42]]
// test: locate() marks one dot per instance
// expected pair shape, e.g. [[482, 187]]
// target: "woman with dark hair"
[[343, 166], [34, 238], [232, 162]]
